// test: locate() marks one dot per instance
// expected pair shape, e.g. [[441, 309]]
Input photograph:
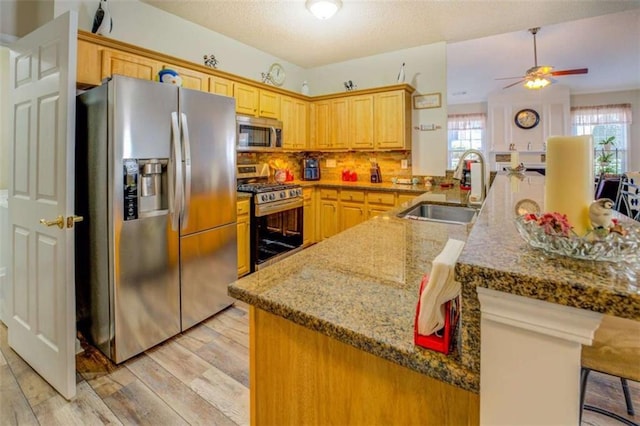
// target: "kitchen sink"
[[440, 213]]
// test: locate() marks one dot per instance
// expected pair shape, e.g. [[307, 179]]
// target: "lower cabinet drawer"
[[328, 194], [357, 196], [384, 198]]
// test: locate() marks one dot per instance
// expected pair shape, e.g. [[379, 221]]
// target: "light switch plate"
[[331, 163], [404, 164]]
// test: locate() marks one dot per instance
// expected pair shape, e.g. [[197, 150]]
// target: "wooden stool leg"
[[627, 396], [584, 375]]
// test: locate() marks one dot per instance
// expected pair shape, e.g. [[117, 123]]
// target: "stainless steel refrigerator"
[[155, 181]]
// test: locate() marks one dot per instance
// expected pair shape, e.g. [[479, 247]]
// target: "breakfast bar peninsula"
[[331, 328]]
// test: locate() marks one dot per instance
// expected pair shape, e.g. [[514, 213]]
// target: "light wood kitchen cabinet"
[[221, 86], [294, 114], [115, 62], [328, 211], [309, 217], [191, 79], [247, 99], [392, 120], [269, 104], [361, 122], [352, 208], [253, 101], [331, 124], [339, 122], [243, 232], [403, 198], [89, 70], [379, 202], [321, 125]]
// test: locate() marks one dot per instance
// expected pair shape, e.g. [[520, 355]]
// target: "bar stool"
[[615, 351], [628, 197]]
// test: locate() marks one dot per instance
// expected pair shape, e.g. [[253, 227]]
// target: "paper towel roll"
[[476, 182]]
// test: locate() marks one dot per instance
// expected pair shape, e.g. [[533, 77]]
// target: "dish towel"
[[441, 288]]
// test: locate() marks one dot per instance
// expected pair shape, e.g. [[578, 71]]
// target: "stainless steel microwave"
[[258, 134]]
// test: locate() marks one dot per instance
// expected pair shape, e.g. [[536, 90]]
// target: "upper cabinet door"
[[392, 126], [294, 114], [269, 104], [322, 128], [361, 121], [114, 62], [339, 120], [221, 86], [247, 99], [191, 79]]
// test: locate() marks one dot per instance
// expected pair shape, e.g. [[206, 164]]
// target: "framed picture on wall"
[[430, 100]]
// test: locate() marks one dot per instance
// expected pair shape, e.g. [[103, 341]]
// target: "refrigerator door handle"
[[186, 146], [175, 181]]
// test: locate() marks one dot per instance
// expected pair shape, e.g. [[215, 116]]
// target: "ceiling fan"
[[539, 76]]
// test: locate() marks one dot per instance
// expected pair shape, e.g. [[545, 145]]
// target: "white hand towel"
[[441, 288]]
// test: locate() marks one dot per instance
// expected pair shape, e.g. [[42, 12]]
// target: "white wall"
[[425, 69], [140, 24], [19, 18], [632, 97]]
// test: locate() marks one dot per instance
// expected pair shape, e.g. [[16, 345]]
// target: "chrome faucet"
[[457, 174]]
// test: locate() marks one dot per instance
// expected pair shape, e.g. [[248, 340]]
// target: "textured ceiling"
[[362, 28], [486, 39]]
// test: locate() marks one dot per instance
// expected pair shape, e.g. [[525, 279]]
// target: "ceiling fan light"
[[537, 83], [323, 9]]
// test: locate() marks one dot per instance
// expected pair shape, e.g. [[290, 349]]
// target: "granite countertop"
[[450, 195], [496, 257], [361, 287], [496, 251]]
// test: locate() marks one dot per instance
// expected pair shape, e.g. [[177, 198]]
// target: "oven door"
[[277, 232]]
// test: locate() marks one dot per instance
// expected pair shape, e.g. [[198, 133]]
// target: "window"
[[605, 123], [465, 131]]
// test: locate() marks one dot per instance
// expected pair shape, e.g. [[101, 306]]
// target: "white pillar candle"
[[515, 183], [515, 160], [569, 179]]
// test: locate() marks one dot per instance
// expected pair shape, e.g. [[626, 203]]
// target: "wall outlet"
[[404, 164], [331, 163], [373, 160]]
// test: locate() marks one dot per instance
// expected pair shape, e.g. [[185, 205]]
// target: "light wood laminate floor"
[[200, 377]]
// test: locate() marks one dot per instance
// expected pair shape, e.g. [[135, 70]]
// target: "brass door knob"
[[59, 221]]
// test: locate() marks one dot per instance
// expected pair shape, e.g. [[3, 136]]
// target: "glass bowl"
[[516, 171], [599, 244]]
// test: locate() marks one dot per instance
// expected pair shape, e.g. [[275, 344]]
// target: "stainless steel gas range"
[[276, 215]]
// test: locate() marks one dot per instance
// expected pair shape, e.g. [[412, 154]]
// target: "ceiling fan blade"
[[513, 84], [570, 72], [508, 78]]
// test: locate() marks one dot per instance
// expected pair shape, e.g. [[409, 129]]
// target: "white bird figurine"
[[401, 74], [102, 22], [601, 214]]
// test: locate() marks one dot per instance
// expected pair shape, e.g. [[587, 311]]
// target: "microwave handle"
[[274, 137]]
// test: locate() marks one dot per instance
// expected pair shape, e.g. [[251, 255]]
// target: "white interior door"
[[41, 296]]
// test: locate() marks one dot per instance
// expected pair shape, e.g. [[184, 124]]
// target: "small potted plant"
[[606, 155]]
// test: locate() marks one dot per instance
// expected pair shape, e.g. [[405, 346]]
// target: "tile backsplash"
[[389, 162]]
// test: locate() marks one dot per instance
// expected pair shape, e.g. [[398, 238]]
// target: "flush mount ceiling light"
[[323, 9]]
